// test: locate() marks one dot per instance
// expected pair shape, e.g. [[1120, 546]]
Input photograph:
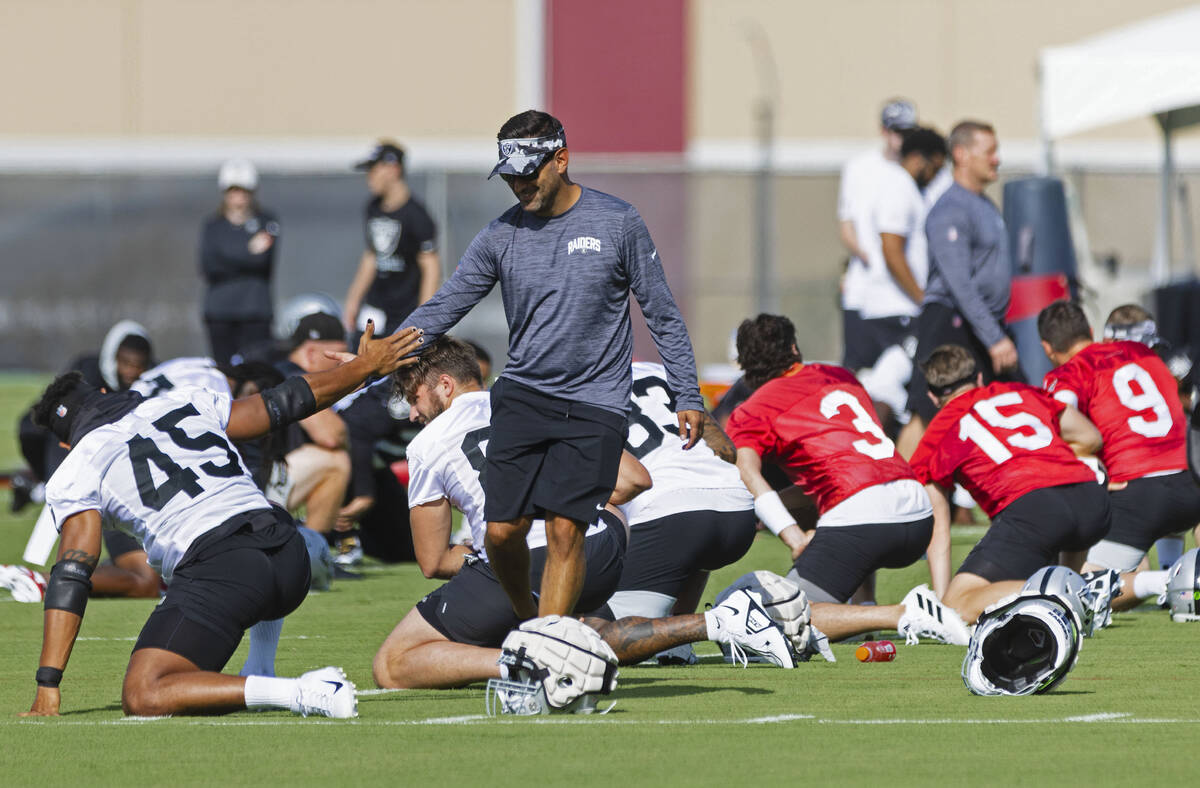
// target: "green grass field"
[[1124, 714]]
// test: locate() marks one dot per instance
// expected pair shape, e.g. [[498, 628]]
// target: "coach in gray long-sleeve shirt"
[[566, 259], [970, 274]]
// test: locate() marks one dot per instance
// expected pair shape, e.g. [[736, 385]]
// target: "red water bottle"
[[876, 651]]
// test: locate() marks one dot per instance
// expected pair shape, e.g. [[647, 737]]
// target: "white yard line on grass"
[[477, 719]]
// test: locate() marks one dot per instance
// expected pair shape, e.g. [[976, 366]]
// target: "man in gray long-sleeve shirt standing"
[[970, 275], [566, 258]]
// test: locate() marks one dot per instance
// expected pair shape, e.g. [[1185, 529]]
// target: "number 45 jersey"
[[817, 423], [164, 472], [1000, 442], [1132, 398]]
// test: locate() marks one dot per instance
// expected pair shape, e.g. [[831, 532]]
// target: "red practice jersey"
[[1132, 398], [1000, 442], [817, 423]]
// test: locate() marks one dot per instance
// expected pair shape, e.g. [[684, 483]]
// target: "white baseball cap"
[[238, 172]]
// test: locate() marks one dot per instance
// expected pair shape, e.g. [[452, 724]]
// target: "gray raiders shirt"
[[969, 267], [565, 282]]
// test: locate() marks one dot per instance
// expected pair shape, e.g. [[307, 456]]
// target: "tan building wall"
[[837, 61], [275, 68]]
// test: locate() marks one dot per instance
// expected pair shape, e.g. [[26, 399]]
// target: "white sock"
[[1169, 549], [265, 692], [264, 640], [1146, 584], [710, 621]]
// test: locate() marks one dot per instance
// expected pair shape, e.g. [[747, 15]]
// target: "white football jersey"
[[684, 481], [446, 460], [165, 473], [180, 372]]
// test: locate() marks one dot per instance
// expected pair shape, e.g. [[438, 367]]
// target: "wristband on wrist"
[[48, 677], [773, 514]]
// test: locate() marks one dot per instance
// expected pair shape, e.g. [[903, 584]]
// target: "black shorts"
[[840, 557], [118, 543], [1151, 508], [867, 338], [253, 567], [664, 553], [1031, 531], [474, 609], [940, 325], [547, 454]]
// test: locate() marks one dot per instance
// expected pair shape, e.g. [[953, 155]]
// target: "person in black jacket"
[[237, 255]]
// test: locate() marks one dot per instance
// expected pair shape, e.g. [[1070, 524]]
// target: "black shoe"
[[22, 491], [342, 573]]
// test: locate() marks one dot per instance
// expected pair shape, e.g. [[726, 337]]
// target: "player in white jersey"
[[452, 637], [697, 517], [179, 372], [164, 470]]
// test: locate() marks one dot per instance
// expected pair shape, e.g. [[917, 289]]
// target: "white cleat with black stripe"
[[925, 617], [327, 693]]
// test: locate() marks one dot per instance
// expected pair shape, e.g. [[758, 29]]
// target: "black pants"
[[227, 337]]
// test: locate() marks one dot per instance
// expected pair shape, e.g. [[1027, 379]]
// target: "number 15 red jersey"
[[1131, 396], [1000, 442], [817, 423]]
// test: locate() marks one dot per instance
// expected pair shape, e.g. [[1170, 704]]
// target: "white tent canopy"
[[1147, 68]]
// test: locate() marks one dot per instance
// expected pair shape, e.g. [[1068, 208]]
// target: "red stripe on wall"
[[615, 73]]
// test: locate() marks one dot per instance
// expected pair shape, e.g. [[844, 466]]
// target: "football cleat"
[[326, 692], [785, 602], [925, 617], [680, 655], [743, 624], [1103, 585], [25, 584]]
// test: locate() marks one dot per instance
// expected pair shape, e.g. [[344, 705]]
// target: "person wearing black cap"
[[317, 460], [399, 269], [567, 259]]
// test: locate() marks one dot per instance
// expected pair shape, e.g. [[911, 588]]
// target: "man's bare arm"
[[248, 417], [80, 543], [431, 275], [897, 264], [717, 440], [431, 525], [359, 285]]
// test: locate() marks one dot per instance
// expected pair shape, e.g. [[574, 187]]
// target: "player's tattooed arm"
[[634, 639], [717, 440]]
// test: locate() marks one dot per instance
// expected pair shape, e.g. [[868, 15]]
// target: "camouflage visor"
[[522, 157]]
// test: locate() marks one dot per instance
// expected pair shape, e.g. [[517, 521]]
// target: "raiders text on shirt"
[[583, 243]]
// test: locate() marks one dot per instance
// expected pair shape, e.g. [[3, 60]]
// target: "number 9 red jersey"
[[817, 423], [1132, 398], [1000, 442]]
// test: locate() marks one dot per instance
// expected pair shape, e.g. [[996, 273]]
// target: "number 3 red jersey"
[[1000, 442], [817, 423], [1132, 398]]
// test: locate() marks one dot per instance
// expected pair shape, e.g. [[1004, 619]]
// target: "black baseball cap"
[[318, 326], [388, 152]]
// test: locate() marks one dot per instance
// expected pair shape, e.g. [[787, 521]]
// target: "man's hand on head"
[[690, 424], [1004, 355], [387, 354]]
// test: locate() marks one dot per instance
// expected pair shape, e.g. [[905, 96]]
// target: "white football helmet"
[[553, 664], [1071, 587], [299, 307], [1183, 587], [785, 602], [1025, 644]]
